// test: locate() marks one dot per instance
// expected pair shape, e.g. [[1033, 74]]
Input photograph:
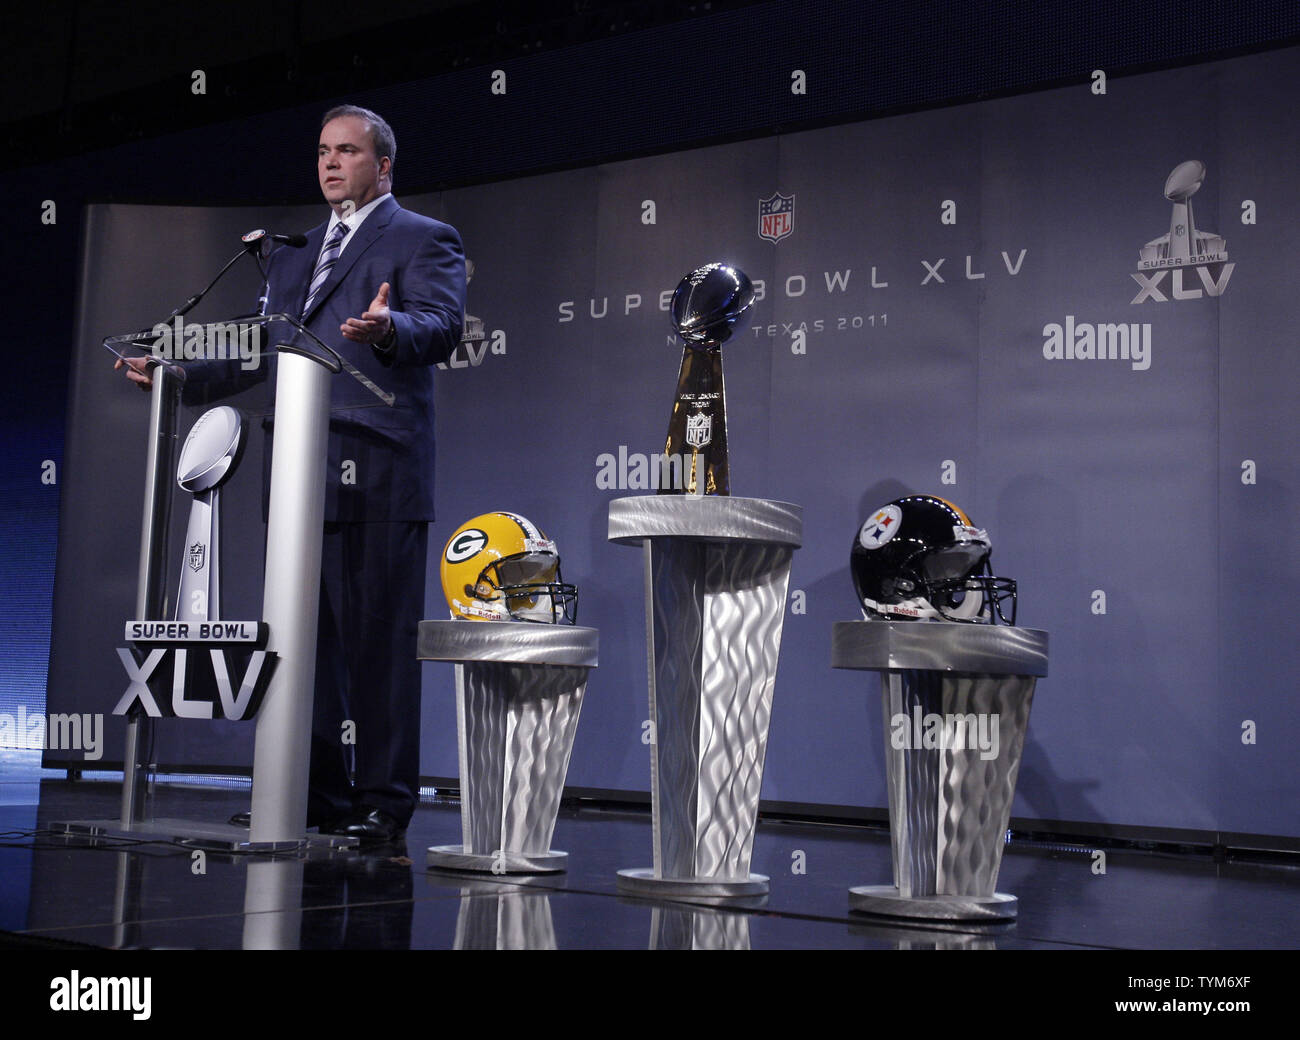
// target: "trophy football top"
[[210, 451], [708, 302], [1185, 180]]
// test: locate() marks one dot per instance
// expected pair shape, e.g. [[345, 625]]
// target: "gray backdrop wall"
[[1143, 503]]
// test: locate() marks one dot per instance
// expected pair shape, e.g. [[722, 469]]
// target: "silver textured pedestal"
[[501, 915], [519, 689], [717, 572], [690, 928], [956, 701]]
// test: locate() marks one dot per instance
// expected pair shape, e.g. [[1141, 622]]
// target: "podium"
[[717, 570], [519, 690], [291, 596], [955, 699]]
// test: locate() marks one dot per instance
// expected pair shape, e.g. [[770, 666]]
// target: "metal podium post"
[[717, 571], [151, 583], [956, 701], [291, 601], [519, 689]]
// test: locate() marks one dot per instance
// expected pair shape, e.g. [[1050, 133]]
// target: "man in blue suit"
[[386, 289]]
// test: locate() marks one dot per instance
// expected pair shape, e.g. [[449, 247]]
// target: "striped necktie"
[[326, 264]]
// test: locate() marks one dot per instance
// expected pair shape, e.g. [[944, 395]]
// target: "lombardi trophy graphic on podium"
[[208, 458]]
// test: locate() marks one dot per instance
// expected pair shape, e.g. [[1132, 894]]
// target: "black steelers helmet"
[[921, 557]]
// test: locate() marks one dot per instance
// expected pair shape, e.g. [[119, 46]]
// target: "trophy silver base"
[[454, 857], [642, 881], [884, 901]]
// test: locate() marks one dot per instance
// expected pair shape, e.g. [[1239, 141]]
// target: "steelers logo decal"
[[882, 526], [465, 545]]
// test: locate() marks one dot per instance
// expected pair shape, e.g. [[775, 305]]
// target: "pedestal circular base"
[[884, 901], [642, 881], [454, 857]]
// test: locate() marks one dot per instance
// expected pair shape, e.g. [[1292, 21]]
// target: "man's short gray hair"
[[381, 134]]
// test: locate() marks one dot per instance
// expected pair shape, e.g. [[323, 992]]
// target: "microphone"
[[254, 239]]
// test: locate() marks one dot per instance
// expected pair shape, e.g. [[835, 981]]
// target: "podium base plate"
[[642, 881], [454, 857], [197, 834], [884, 901]]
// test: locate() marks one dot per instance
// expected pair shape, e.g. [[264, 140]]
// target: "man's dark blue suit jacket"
[[391, 448]]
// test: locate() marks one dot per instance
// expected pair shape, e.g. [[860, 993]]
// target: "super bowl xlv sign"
[[196, 663], [195, 670], [1184, 249], [706, 307]]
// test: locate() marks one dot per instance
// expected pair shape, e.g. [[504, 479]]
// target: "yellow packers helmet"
[[501, 567]]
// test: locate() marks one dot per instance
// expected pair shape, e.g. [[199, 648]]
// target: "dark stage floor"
[[151, 896]]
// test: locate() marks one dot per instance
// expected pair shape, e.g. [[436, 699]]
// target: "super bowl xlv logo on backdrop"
[[775, 217], [1163, 263], [474, 343]]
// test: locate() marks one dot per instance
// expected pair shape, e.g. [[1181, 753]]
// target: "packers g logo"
[[465, 545]]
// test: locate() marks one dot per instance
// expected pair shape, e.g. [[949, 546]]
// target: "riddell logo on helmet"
[[902, 608]]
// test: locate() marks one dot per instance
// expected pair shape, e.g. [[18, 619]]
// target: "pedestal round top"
[[706, 518], [940, 646], [508, 642]]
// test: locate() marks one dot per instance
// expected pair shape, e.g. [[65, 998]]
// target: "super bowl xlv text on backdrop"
[[797, 285]]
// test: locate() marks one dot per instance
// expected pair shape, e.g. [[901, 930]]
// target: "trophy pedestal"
[[717, 572], [692, 928], [956, 700], [885, 901], [519, 690], [496, 916]]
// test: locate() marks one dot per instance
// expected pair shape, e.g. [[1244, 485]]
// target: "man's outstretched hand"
[[137, 370], [373, 326]]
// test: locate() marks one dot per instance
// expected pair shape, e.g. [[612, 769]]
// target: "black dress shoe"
[[242, 819], [370, 826]]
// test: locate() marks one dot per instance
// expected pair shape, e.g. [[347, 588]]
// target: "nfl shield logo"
[[196, 554], [699, 430], [775, 217]]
